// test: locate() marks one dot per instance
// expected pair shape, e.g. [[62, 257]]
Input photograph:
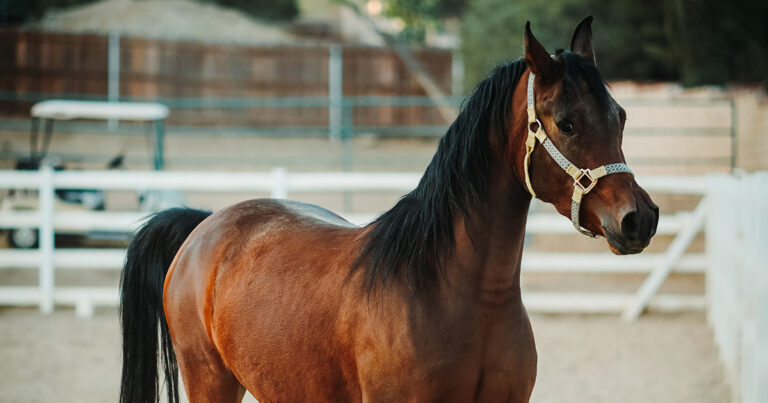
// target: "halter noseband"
[[578, 174]]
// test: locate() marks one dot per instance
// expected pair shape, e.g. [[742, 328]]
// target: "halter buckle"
[[592, 181], [534, 123]]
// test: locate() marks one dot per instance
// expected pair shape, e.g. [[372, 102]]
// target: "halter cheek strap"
[[584, 180]]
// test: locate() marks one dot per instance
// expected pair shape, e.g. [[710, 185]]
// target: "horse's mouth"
[[619, 245]]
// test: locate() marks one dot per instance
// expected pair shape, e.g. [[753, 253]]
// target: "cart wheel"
[[23, 238]]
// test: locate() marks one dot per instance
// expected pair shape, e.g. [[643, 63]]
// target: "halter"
[[579, 175]]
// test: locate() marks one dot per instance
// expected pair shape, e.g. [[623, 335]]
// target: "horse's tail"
[[141, 305]]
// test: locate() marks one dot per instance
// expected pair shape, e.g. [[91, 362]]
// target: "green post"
[[159, 141]]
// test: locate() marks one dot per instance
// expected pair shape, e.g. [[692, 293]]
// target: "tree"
[[698, 42], [629, 36], [717, 42], [13, 12], [419, 15]]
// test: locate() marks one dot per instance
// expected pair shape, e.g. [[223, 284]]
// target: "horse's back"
[[266, 241], [265, 280], [273, 214]]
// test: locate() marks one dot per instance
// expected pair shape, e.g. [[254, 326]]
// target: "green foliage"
[[13, 12], [419, 15], [278, 10], [719, 42], [414, 10], [628, 35], [696, 41]]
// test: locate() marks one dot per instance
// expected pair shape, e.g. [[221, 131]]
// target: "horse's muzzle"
[[636, 226]]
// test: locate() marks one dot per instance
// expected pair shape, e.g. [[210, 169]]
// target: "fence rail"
[[280, 183], [305, 91]]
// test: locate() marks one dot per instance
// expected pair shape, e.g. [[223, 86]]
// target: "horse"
[[292, 303]]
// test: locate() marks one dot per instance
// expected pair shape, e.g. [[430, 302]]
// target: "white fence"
[[279, 183], [737, 281], [734, 208]]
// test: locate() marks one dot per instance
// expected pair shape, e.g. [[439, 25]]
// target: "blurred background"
[[112, 109]]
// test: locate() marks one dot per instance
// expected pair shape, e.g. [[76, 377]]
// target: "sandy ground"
[[661, 358]]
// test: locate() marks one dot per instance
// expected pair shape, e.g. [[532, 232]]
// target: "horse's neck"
[[486, 262], [487, 259]]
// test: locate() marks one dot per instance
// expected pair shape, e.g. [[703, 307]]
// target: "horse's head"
[[575, 113]]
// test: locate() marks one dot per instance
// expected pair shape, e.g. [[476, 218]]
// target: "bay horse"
[[291, 302]]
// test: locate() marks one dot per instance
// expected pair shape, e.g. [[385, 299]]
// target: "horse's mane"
[[414, 237]]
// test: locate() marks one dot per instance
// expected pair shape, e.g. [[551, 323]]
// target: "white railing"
[[737, 281], [280, 183]]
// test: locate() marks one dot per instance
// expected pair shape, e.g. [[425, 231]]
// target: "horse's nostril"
[[630, 227]]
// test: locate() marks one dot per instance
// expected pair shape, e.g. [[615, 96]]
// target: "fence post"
[[734, 138], [335, 93], [46, 273], [754, 335], [113, 65], [722, 268], [761, 257], [279, 183], [457, 73]]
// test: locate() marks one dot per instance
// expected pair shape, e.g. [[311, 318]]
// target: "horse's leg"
[[206, 378]]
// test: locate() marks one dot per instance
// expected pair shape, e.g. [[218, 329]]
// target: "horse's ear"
[[581, 43], [537, 58]]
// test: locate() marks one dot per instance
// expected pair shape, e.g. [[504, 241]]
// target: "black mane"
[[413, 238]]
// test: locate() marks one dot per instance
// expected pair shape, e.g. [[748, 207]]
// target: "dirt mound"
[[163, 19]]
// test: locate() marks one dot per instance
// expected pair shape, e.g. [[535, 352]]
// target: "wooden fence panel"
[[34, 62]]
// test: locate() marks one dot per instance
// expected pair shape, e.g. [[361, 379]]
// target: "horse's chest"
[[503, 369], [490, 362]]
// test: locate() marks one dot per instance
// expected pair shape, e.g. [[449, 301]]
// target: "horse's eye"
[[566, 128]]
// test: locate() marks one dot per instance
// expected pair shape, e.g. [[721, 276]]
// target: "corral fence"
[[279, 183], [732, 211]]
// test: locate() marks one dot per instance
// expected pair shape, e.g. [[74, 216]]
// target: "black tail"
[[141, 305]]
